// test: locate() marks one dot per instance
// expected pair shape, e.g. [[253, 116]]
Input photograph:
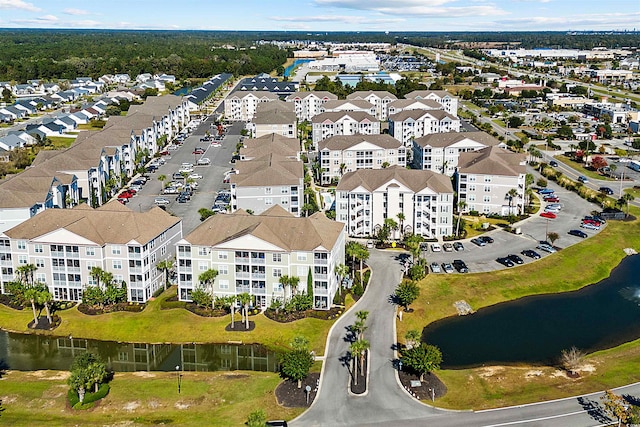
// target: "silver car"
[[435, 267]]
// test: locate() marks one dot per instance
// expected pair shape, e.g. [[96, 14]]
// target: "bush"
[[89, 398], [357, 289]]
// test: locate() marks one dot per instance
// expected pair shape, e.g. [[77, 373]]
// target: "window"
[[302, 271], [39, 262], [223, 284], [486, 199], [487, 179], [277, 272], [22, 259], [223, 255], [116, 250], [487, 189], [276, 257], [37, 248], [117, 264], [163, 250], [268, 190], [268, 201], [203, 250], [203, 266], [223, 269], [22, 245], [302, 256], [41, 277], [90, 251]]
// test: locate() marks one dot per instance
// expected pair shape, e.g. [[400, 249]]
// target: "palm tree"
[[627, 198], [358, 349], [97, 273], [401, 219], [245, 299], [44, 297], [391, 224], [25, 272], [165, 265], [291, 282], [510, 195], [343, 167], [162, 179], [461, 205], [207, 278], [362, 318], [31, 294], [342, 271]]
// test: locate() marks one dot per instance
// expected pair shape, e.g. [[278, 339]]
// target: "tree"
[[25, 273], [31, 294], [412, 338], [45, 298], [358, 351], [406, 293], [207, 278], [552, 236], [162, 178], [342, 271], [511, 194], [257, 419], [598, 162], [626, 199], [244, 299], [412, 242], [615, 406], [165, 265], [401, 218], [571, 359], [87, 370], [515, 121], [300, 342], [290, 282], [310, 284], [422, 359], [295, 365], [461, 206], [205, 213], [391, 225], [201, 297]]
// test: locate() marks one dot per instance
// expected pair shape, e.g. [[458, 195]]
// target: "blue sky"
[[325, 15]]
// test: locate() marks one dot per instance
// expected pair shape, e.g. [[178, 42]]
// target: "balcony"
[[257, 260], [318, 276], [242, 260], [242, 289], [320, 291], [258, 275], [243, 275], [259, 290], [183, 269], [138, 269], [135, 255], [321, 261]]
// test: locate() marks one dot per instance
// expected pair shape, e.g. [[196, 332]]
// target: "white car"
[[194, 176], [435, 247], [185, 169], [161, 201], [204, 161], [187, 165]]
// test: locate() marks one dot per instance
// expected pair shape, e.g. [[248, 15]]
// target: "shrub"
[[89, 398], [357, 289]]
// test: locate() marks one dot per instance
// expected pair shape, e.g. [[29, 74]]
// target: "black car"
[[531, 253], [505, 261], [458, 246], [181, 199], [515, 258], [486, 239], [606, 190], [578, 233], [553, 163], [459, 265], [478, 241]]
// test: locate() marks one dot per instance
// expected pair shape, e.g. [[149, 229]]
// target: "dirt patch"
[[180, 405], [589, 368], [49, 375], [533, 374], [144, 374], [290, 396], [240, 327], [235, 376], [430, 387], [490, 371], [153, 404], [131, 406]]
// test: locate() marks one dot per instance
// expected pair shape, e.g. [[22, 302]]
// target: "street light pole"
[[179, 377]]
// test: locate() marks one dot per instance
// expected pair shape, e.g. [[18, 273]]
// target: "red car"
[[164, 153], [125, 195], [198, 151], [123, 200], [592, 222], [553, 199], [549, 215]]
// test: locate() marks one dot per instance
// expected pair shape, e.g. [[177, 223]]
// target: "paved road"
[[386, 403]]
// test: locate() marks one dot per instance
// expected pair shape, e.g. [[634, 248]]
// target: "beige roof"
[[157, 105], [270, 143], [426, 93], [359, 103], [343, 142], [275, 112], [446, 139], [276, 104], [322, 94], [416, 180], [418, 114], [274, 225], [492, 161], [429, 104], [362, 94], [260, 94], [111, 223], [271, 169], [358, 116]]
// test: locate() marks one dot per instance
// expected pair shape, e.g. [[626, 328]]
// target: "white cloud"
[[18, 4], [412, 8], [76, 12], [606, 21], [347, 19]]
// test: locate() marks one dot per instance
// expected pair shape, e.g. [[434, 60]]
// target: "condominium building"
[[252, 252], [408, 125], [448, 101], [308, 104], [348, 105], [326, 125], [439, 152], [255, 148], [485, 177], [347, 153], [64, 244], [273, 117], [420, 202], [379, 98], [241, 106]]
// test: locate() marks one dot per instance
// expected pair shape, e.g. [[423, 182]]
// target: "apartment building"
[[326, 125], [366, 197], [241, 106], [485, 177], [308, 104], [270, 180], [379, 98], [347, 153], [408, 125], [273, 117], [255, 148], [252, 252], [444, 98], [439, 152], [64, 244]]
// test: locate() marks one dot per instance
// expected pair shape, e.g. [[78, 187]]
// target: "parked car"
[[198, 150], [578, 233], [606, 190], [590, 226], [594, 218], [545, 191], [458, 246], [181, 199], [459, 265], [549, 215], [435, 267], [161, 201], [177, 175], [204, 161], [515, 258], [448, 247], [435, 247], [194, 176], [531, 253], [505, 261], [553, 209], [170, 190], [185, 169], [447, 267], [478, 241], [551, 198], [123, 200], [583, 179], [370, 244], [486, 239], [591, 222], [554, 206], [547, 248]]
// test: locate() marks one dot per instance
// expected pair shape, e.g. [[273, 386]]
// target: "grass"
[[581, 169], [474, 224], [489, 387], [635, 192], [154, 325], [206, 398], [60, 142]]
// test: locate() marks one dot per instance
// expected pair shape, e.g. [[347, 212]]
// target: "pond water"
[[534, 330], [26, 352], [183, 91]]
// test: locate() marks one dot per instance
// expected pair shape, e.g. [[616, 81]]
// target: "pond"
[[534, 330], [27, 352]]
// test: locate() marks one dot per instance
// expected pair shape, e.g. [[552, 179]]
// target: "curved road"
[[386, 403]]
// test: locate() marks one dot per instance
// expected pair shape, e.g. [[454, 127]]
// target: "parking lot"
[[208, 186]]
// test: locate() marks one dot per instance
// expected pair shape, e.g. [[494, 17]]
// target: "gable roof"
[[321, 94], [334, 116], [419, 114], [359, 103], [416, 94], [271, 169], [270, 143], [416, 180], [492, 161], [343, 142], [446, 139], [362, 94]]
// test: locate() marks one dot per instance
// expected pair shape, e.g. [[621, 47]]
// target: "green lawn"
[[144, 398], [498, 386], [581, 169], [154, 325], [60, 142]]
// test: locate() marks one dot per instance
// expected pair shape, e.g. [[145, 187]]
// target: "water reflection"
[[32, 352]]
